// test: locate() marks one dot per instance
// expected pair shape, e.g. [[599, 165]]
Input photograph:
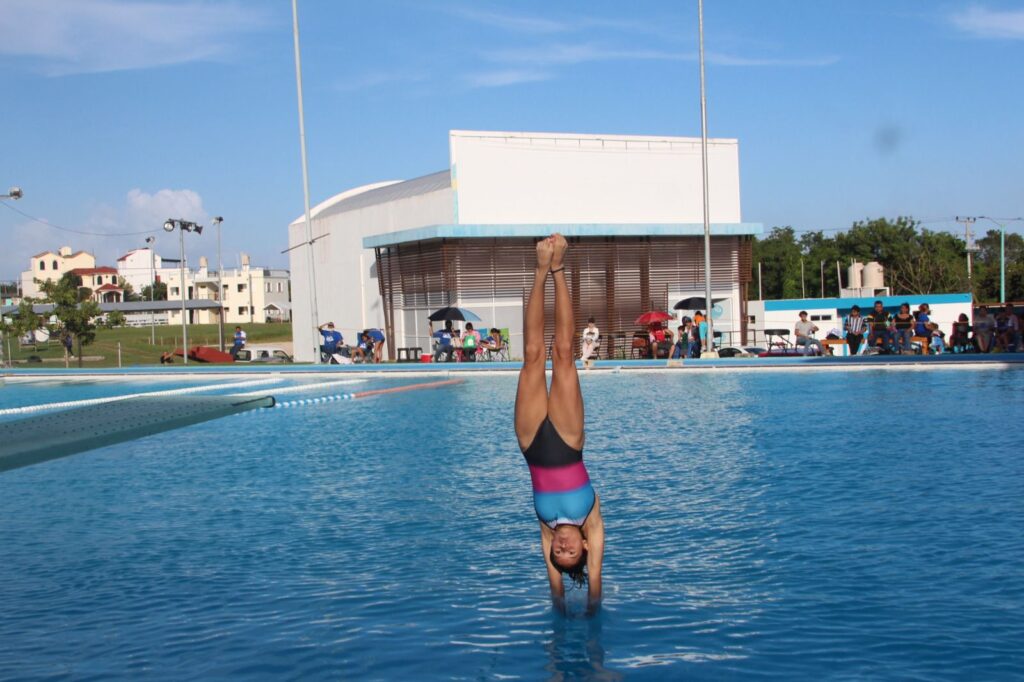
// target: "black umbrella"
[[695, 303], [455, 314]]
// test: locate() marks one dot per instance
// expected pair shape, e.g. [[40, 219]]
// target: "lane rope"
[[305, 387], [366, 394], [27, 409]]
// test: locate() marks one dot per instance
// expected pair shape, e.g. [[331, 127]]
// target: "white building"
[[139, 267], [251, 294], [51, 266], [462, 236]]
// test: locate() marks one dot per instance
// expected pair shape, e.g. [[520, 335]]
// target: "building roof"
[[280, 306], [865, 302], [102, 270], [109, 287], [125, 256], [55, 253], [380, 193], [542, 230]]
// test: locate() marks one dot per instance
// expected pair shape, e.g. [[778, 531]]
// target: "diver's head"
[[569, 552]]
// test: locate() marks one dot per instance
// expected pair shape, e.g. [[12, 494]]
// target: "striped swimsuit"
[[562, 493]]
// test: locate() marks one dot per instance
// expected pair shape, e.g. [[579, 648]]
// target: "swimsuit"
[[562, 493]]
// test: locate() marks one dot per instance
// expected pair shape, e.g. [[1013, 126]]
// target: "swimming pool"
[[394, 537]]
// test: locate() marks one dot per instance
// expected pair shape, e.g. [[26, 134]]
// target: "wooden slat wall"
[[612, 279]]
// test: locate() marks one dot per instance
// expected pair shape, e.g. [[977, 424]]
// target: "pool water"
[[771, 525]]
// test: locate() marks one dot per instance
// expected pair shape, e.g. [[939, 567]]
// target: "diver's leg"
[[532, 394], [565, 404]]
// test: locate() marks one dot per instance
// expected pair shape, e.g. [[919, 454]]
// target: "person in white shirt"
[[588, 344], [805, 334]]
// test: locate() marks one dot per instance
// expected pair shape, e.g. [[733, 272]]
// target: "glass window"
[[42, 265], [54, 265], [241, 288], [241, 310], [268, 287]]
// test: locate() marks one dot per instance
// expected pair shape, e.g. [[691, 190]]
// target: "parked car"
[[269, 354]]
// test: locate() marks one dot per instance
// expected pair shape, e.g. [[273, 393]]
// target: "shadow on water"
[[575, 651]]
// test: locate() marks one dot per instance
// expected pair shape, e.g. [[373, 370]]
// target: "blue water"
[[783, 525]]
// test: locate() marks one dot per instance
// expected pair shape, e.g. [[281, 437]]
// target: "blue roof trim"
[[569, 230], [864, 303]]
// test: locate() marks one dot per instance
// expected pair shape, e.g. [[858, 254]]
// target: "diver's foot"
[[559, 246], [545, 252]]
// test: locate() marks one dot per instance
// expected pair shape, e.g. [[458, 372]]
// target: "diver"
[[549, 427]]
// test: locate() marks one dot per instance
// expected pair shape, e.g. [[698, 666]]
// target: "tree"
[[115, 318], [129, 291], [21, 322], [159, 292], [75, 318], [986, 267], [779, 255]]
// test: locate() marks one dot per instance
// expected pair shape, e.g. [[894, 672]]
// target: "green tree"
[[115, 318], [128, 289], [75, 317], [986, 267], [20, 322], [159, 292], [779, 256]]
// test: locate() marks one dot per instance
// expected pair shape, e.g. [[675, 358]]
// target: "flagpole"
[[709, 345]]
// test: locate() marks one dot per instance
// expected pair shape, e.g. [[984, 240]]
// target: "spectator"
[[937, 340], [493, 343], [959, 340], [879, 322], [363, 351], [680, 348], [239, 344], [443, 343], [470, 343], [660, 343], [805, 331], [331, 341], [694, 338], [854, 327], [903, 322], [921, 319], [984, 330], [166, 358], [702, 332], [1007, 329], [588, 341], [376, 344]]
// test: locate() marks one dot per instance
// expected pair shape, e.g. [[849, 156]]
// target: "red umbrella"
[[652, 317]]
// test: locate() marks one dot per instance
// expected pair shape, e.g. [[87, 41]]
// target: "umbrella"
[[695, 303], [453, 313], [652, 317]]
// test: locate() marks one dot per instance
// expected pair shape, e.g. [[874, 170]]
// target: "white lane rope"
[[27, 409], [305, 387]]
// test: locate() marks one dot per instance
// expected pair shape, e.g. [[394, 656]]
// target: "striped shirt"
[[855, 325]]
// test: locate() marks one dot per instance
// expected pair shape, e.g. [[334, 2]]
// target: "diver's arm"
[[554, 575], [595, 553]]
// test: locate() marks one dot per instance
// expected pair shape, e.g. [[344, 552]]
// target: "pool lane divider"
[[368, 394], [28, 409]]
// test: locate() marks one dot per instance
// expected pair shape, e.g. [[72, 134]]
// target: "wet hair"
[[577, 572]]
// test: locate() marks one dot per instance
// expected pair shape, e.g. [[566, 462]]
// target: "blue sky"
[[117, 114]]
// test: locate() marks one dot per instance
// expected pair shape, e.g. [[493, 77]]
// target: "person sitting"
[[854, 327], [375, 345], [984, 330], [493, 343], [443, 347], [805, 331], [680, 347], [660, 343], [903, 322], [470, 343], [878, 323], [694, 338], [922, 317], [363, 352], [936, 339], [589, 342], [166, 358], [332, 340], [959, 340], [1007, 329], [239, 342]]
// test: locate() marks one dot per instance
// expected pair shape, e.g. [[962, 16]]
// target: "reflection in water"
[[575, 651]]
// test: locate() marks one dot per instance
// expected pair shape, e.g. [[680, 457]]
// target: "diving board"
[[58, 434]]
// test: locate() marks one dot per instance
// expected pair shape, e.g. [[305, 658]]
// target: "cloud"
[[517, 23], [503, 77], [567, 53], [63, 37], [981, 22]]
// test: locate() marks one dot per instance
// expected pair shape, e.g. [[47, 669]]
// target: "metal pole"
[[821, 276], [839, 281], [305, 184], [1002, 263], [803, 283], [220, 288], [760, 295], [152, 286], [184, 327], [709, 347]]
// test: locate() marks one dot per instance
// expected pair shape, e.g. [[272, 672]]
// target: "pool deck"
[[876, 362]]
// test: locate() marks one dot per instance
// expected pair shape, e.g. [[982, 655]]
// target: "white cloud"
[[568, 53], [981, 22], [87, 36], [504, 77]]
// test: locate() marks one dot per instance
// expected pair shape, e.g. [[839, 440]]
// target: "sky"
[[118, 114]]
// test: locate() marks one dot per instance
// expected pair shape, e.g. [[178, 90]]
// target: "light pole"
[[13, 193], [220, 286], [152, 285], [183, 226], [709, 346], [1002, 252]]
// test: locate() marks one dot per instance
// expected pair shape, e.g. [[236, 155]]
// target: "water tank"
[[65, 251], [855, 275], [245, 260], [874, 276], [202, 263]]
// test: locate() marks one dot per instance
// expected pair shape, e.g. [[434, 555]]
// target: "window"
[[280, 287], [241, 310], [241, 288], [99, 279], [42, 265], [175, 291], [54, 265], [268, 287]]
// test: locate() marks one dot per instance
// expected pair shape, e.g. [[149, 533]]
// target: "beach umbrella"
[[652, 317], [695, 303], [454, 314]]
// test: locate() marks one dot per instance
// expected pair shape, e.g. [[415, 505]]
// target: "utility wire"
[[68, 229]]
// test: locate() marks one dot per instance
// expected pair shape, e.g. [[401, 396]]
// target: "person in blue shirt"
[[332, 340], [240, 339], [376, 343], [444, 343], [921, 320]]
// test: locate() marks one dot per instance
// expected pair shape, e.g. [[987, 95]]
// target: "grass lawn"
[[136, 348]]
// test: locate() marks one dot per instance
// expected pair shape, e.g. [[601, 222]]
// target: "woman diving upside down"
[[549, 427]]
